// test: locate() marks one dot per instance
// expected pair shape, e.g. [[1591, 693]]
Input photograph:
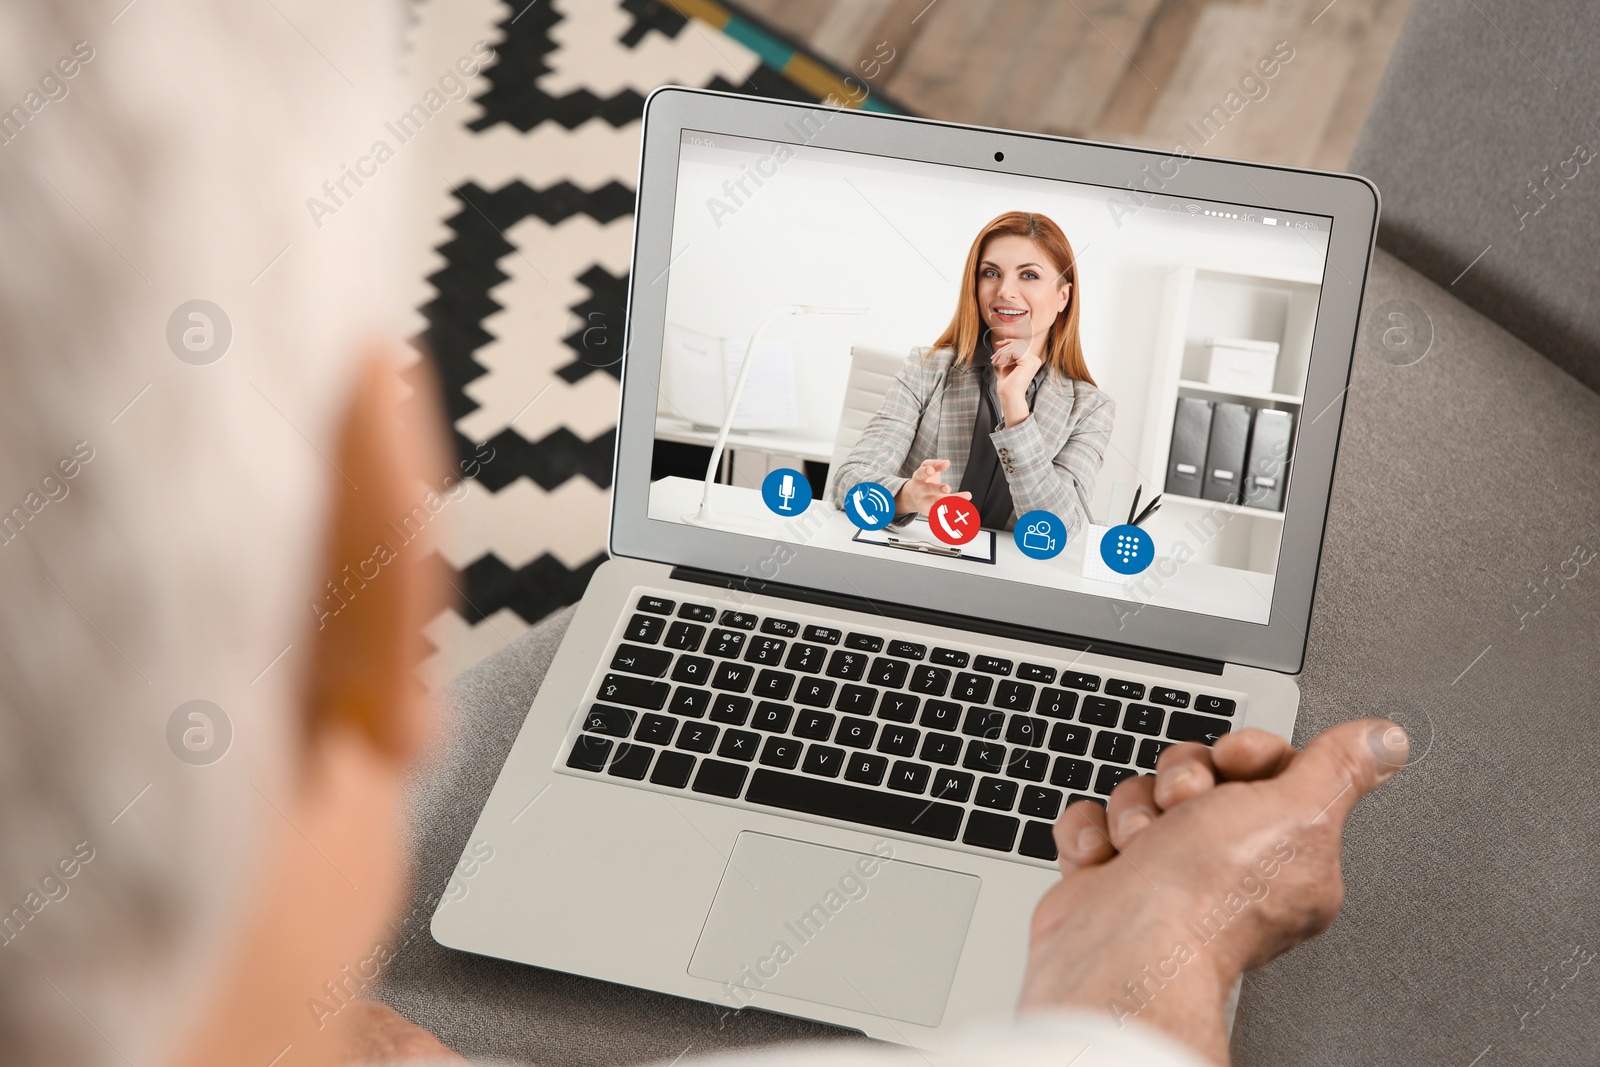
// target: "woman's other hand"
[[925, 486], [1015, 364]]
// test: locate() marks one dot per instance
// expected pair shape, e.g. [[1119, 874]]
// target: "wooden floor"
[[1143, 72]]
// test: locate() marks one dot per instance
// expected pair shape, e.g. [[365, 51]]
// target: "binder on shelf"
[[1268, 466], [1224, 470], [1191, 430]]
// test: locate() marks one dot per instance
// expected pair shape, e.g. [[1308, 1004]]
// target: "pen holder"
[[1093, 566]]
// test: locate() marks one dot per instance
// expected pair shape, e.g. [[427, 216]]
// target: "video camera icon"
[[1040, 535]]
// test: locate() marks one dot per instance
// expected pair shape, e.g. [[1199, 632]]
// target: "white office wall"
[[833, 227]]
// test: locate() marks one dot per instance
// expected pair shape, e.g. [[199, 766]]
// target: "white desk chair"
[[872, 370]]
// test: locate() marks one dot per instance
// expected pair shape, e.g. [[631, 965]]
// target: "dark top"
[[984, 477]]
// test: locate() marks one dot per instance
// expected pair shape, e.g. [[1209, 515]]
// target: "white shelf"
[[1271, 398], [1217, 505]]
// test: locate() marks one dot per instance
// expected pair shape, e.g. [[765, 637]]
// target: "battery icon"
[[1269, 220]]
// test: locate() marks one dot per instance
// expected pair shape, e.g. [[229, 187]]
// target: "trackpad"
[[857, 930]]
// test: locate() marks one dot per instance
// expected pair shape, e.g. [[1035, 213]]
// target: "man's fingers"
[[1132, 807], [1081, 836], [1250, 755], [1343, 764], [1183, 772]]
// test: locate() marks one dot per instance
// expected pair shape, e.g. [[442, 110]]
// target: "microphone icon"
[[786, 491]]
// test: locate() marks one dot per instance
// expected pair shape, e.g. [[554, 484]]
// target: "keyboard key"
[[899, 707], [932, 681], [604, 719], [992, 665], [690, 703], [1187, 727], [697, 737], [899, 740], [1117, 687], [636, 659], [1028, 764], [950, 657], [1074, 680], [589, 753], [849, 803], [856, 732], [774, 718], [1065, 737], [984, 722], [1100, 711], [1039, 802], [889, 673], [907, 649], [814, 725], [725, 643], [1038, 841], [988, 830], [685, 636], [1071, 773], [1107, 779], [816, 692], [720, 779], [866, 768], [806, 658], [632, 762], [941, 715], [725, 707], [1057, 703], [733, 677], [1035, 672], [825, 635], [781, 628], [697, 612], [781, 752], [996, 793], [739, 744], [953, 785], [820, 759], [635, 692], [851, 666], [767, 651], [909, 777], [1113, 747], [646, 628], [971, 688], [1172, 698], [1014, 696], [696, 670], [774, 685], [1215, 705], [656, 605], [742, 620], [1025, 730], [984, 756], [863, 642], [1150, 751], [1074, 798], [655, 729], [941, 748], [672, 768], [856, 700], [1143, 719]]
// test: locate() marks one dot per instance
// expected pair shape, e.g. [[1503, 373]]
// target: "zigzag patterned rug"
[[525, 314]]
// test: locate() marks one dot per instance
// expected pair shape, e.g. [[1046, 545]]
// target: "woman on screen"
[[1002, 405]]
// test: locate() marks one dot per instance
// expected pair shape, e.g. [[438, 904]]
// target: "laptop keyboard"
[[865, 727]]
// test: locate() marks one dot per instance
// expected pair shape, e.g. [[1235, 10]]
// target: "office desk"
[[778, 442], [1198, 587]]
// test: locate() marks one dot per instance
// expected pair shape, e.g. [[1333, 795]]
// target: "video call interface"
[[1072, 386]]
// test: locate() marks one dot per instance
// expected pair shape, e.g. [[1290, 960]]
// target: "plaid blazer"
[[1051, 459]]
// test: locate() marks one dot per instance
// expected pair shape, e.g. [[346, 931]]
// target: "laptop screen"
[[1081, 388]]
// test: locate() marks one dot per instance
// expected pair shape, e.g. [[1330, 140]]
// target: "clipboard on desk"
[[916, 537]]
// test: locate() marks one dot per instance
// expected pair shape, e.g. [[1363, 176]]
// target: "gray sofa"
[[1460, 595]]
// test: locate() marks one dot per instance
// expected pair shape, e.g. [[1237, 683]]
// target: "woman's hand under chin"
[[1015, 364]]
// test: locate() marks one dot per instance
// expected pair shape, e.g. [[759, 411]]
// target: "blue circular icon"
[[1040, 535], [786, 492], [1127, 549], [870, 506]]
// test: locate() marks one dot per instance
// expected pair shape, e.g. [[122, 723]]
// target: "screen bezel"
[[1349, 200]]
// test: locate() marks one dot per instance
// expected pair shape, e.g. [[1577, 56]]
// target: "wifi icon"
[[870, 506]]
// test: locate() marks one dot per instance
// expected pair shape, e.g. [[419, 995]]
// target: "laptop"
[[789, 760]]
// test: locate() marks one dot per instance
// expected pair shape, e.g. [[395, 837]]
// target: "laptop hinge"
[[957, 622]]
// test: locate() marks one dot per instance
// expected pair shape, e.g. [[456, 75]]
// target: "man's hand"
[[369, 1032], [925, 486], [1015, 364], [1227, 857]]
